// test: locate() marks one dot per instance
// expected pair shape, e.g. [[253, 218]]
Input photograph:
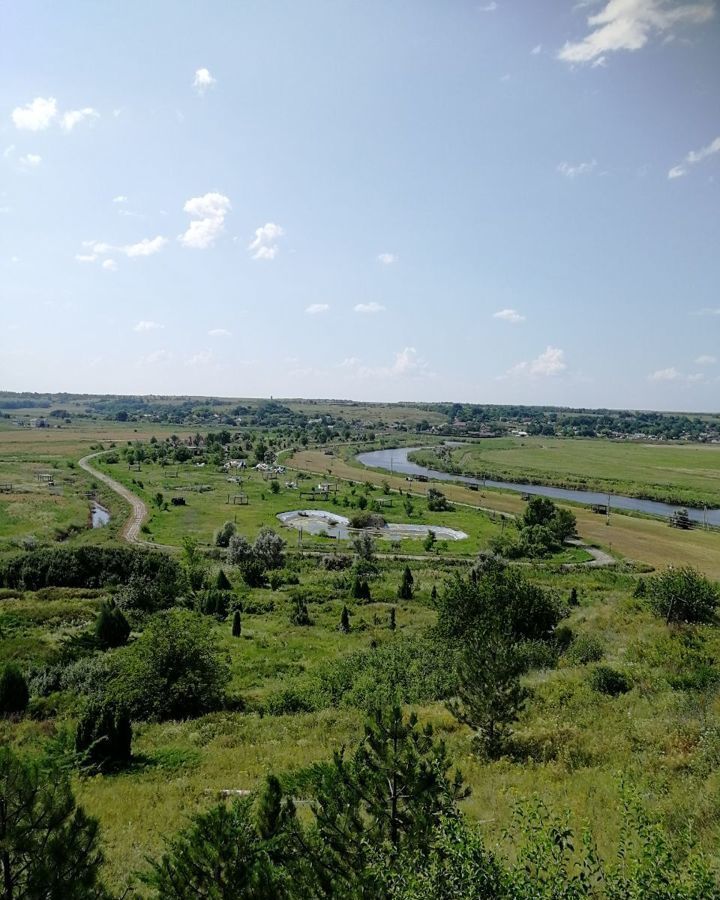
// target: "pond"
[[396, 461], [320, 521], [99, 515]]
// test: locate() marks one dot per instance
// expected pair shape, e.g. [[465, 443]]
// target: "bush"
[[585, 648], [14, 694], [299, 614], [683, 595], [610, 681], [437, 501], [269, 548], [336, 562], [104, 737], [111, 627], [367, 519], [174, 670], [224, 533]]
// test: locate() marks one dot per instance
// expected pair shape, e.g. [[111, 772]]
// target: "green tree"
[[174, 670], [392, 623], [103, 737], [224, 533], [405, 591], [236, 624], [14, 694], [490, 695], [429, 541], [49, 847], [222, 582], [683, 595], [111, 627], [345, 620], [269, 548]]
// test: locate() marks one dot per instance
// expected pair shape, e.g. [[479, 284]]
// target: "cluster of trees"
[[266, 553], [384, 821], [541, 531]]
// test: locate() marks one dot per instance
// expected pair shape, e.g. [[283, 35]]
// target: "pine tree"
[[490, 695], [573, 598], [222, 582], [345, 620], [365, 591], [14, 694], [393, 623], [357, 588], [104, 736], [640, 588], [434, 594], [111, 627], [236, 624], [405, 591]]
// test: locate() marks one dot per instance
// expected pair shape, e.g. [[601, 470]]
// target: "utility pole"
[[607, 521]]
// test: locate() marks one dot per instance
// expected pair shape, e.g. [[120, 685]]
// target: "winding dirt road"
[[131, 529]]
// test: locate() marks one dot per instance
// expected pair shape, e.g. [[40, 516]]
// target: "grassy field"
[[678, 473], [639, 539]]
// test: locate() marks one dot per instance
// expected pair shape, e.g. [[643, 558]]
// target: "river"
[[396, 461]]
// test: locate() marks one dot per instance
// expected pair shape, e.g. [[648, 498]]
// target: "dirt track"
[[131, 529]]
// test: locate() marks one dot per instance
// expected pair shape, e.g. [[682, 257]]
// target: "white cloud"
[[121, 198], [316, 308], [203, 80], [488, 7], [550, 362], [629, 25], [387, 259], [706, 360], [202, 358], [147, 325], [8, 151], [263, 245], [369, 308], [708, 312], [145, 247], [36, 116], [509, 315], [407, 363], [208, 223], [536, 49], [219, 332], [30, 161], [572, 171], [156, 358], [694, 157], [669, 374], [109, 265], [74, 116], [85, 257]]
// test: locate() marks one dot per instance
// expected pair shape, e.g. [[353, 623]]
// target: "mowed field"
[[645, 540], [683, 473]]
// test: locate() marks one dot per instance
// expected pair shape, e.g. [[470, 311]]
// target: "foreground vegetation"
[[202, 716]]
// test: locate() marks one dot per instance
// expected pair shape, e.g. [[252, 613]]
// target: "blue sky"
[[479, 201]]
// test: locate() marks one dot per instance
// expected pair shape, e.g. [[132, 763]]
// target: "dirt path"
[[138, 511]]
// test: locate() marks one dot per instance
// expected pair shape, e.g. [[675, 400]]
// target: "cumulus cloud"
[[121, 198], [145, 247], [156, 358], [572, 171], [694, 157], [537, 49], [550, 362], [30, 161], [707, 311], [147, 325], [673, 374], [219, 332], [208, 213], [263, 245], [387, 259], [202, 358], [630, 24], [488, 7], [74, 116], [203, 81], [407, 363], [705, 360], [369, 308], [316, 308], [109, 265], [36, 116], [509, 315]]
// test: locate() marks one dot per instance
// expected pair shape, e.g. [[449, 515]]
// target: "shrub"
[[336, 562], [299, 614], [174, 670], [367, 519], [437, 501], [405, 591], [610, 681], [269, 548], [14, 694], [224, 533], [683, 595], [222, 582], [104, 736], [111, 627], [236, 624], [585, 648]]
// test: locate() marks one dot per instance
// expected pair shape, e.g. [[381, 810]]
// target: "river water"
[[100, 516], [396, 461]]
